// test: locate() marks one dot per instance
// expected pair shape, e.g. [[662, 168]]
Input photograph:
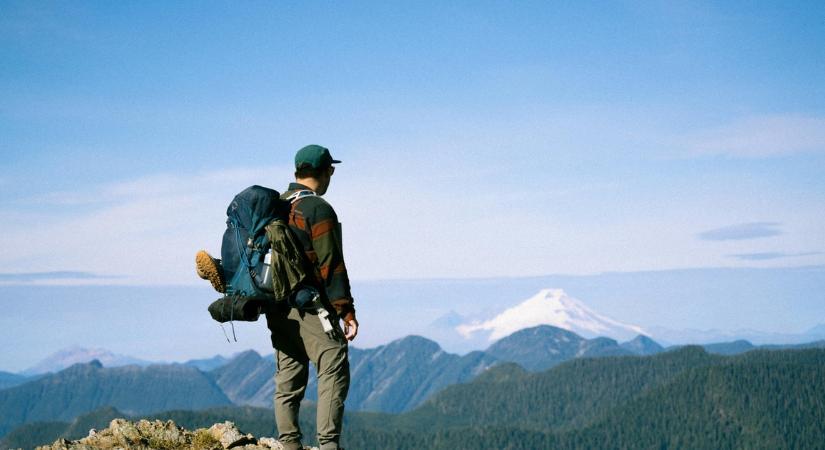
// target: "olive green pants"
[[298, 337]]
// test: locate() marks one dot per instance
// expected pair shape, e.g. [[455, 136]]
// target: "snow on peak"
[[552, 307]]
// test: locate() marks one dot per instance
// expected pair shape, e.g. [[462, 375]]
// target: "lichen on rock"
[[159, 435]]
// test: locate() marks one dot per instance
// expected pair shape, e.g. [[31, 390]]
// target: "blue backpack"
[[262, 261], [245, 243]]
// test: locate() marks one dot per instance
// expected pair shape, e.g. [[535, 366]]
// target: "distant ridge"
[[67, 357], [247, 379], [85, 387], [404, 373], [544, 346], [643, 345], [390, 378], [8, 379], [756, 337]]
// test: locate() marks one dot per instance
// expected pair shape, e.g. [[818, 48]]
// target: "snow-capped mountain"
[[552, 307], [73, 355]]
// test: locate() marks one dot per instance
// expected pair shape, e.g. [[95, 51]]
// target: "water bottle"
[[266, 279]]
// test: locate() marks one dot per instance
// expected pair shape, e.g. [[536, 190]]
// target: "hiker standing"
[[297, 335], [311, 293]]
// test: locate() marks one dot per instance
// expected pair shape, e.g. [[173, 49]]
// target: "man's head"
[[314, 168]]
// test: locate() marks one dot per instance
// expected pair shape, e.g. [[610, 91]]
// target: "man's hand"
[[350, 328]]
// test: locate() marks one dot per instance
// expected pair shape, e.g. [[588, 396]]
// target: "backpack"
[[262, 260]]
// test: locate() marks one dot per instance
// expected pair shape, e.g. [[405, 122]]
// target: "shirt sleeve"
[[325, 232]]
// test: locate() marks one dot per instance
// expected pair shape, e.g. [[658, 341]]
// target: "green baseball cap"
[[315, 156]]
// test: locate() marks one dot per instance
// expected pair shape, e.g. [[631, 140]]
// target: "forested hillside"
[[681, 399], [685, 398], [85, 387]]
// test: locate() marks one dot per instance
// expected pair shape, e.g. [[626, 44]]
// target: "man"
[[297, 335]]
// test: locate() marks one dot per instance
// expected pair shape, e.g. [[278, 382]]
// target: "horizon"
[[75, 350], [44, 319]]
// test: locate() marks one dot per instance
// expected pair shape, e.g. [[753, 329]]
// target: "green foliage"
[[203, 440], [159, 443]]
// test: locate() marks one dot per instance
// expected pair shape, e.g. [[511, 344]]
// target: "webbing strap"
[[297, 195]]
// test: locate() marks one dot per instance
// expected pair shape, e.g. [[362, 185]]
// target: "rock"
[[229, 436], [270, 443], [162, 434], [124, 432], [158, 435], [60, 444]]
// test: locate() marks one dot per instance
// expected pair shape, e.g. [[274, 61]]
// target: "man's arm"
[[325, 233]]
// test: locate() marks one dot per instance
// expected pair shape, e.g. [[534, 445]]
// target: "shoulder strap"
[[294, 199], [297, 195]]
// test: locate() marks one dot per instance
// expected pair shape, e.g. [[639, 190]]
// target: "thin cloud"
[[59, 275], [763, 136], [766, 256], [152, 225], [148, 187], [753, 230]]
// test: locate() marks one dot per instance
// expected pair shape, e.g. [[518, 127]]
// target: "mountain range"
[[401, 375], [552, 307], [683, 398], [85, 387], [393, 378]]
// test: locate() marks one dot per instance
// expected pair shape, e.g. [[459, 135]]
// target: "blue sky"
[[595, 136], [479, 139]]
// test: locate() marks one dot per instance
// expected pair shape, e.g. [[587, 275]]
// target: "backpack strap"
[[295, 198], [297, 195]]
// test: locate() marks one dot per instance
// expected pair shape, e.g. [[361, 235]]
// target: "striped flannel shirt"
[[316, 225]]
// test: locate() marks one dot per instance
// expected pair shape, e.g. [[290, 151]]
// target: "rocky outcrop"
[[159, 435]]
